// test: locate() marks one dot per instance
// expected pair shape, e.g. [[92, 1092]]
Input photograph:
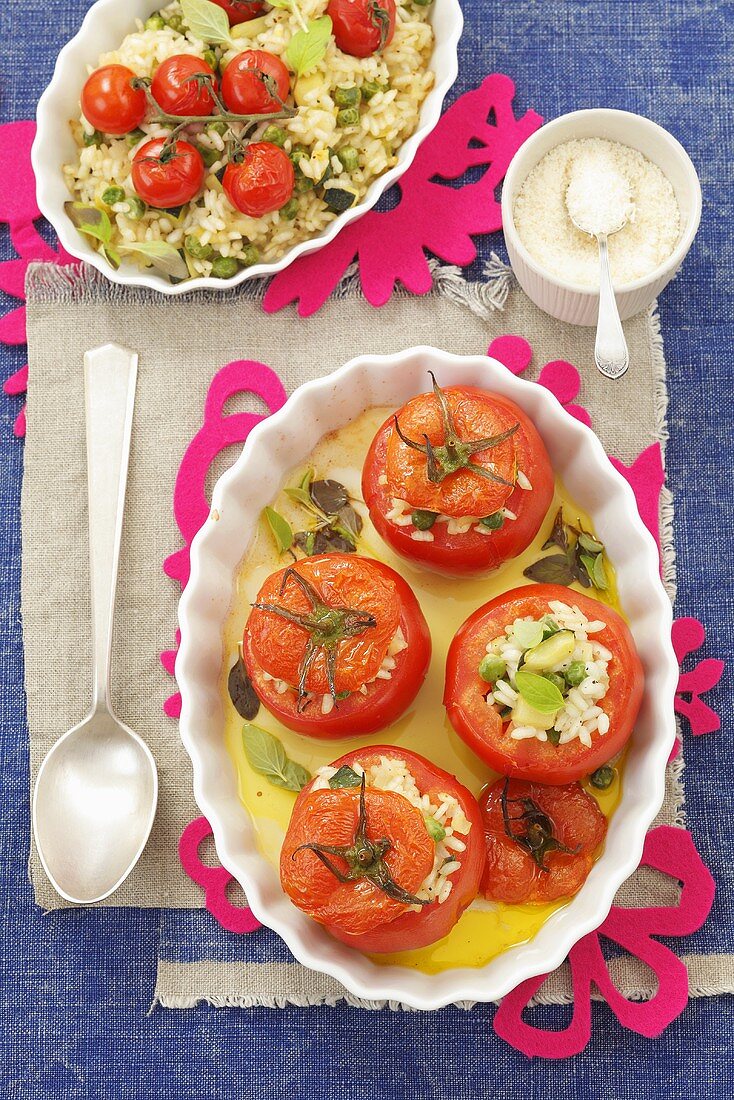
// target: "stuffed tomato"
[[541, 841], [458, 479], [336, 645], [384, 849], [544, 683]]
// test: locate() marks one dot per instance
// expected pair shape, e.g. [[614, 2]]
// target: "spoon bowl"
[[93, 807], [96, 792]]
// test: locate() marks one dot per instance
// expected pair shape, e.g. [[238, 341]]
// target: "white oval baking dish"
[[273, 448]]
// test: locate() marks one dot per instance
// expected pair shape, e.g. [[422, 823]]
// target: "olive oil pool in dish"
[[487, 928]]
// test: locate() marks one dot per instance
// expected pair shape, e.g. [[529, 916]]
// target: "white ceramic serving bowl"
[[558, 296], [284, 441], [105, 25]]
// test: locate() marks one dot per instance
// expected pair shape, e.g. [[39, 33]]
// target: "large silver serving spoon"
[[600, 213], [96, 792]]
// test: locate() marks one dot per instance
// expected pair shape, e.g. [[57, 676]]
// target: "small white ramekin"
[[104, 27], [560, 297]]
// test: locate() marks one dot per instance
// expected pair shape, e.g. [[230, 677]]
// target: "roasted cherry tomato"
[[540, 840], [109, 101], [170, 177], [486, 732], [176, 90], [330, 625], [240, 11], [250, 81], [426, 455], [395, 844], [362, 27], [262, 181]]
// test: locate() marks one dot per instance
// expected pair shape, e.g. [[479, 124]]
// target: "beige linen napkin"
[[181, 343]]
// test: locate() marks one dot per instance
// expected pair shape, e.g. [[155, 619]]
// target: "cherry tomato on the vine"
[[261, 182], [176, 89], [167, 177], [240, 11], [250, 80], [362, 27], [109, 101]]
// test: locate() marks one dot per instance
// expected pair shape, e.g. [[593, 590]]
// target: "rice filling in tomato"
[[446, 822], [581, 675]]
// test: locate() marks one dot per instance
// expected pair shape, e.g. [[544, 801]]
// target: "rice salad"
[[446, 821], [211, 235]]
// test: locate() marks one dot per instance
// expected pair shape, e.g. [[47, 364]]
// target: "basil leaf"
[[527, 635], [241, 691], [600, 574], [88, 219], [590, 544], [329, 495], [559, 534], [300, 496], [538, 692], [207, 21], [555, 569], [281, 529], [325, 540], [345, 777], [266, 755], [162, 256], [307, 48], [307, 478]]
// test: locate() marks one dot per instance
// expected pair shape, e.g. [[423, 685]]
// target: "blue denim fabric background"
[[76, 986]]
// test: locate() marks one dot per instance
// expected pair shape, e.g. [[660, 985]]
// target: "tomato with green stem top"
[[429, 455], [482, 726], [325, 627], [167, 174], [362, 27], [109, 101], [541, 841], [368, 897], [255, 82], [177, 89]]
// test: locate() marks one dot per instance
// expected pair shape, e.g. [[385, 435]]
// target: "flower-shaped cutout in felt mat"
[[669, 850], [19, 209], [479, 130]]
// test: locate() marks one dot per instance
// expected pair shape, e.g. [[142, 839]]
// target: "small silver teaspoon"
[[600, 214], [96, 792]]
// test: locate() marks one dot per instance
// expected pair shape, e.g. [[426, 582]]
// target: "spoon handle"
[[109, 390], [610, 349]]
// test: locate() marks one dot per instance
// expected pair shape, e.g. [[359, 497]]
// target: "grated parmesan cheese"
[[545, 227]]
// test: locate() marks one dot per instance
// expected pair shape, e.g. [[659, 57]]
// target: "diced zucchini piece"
[[525, 715], [551, 652]]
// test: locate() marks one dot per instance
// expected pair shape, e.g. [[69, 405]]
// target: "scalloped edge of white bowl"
[[103, 28], [273, 448]]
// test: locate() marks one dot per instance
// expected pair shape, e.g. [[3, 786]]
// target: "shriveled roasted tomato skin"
[[419, 929], [176, 90], [240, 11], [172, 182], [357, 28], [511, 874], [109, 101], [330, 817], [481, 727], [358, 714], [243, 89], [471, 552], [260, 183]]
